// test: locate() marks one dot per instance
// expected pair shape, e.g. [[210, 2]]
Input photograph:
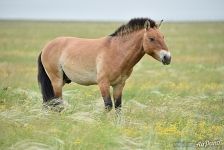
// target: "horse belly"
[[81, 76]]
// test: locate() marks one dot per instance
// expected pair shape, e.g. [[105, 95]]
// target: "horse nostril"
[[166, 59]]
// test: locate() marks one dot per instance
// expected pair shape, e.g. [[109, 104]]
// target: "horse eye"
[[151, 39]]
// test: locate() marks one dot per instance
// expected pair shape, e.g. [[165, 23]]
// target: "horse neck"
[[130, 50]]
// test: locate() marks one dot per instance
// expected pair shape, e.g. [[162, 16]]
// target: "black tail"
[[44, 82]]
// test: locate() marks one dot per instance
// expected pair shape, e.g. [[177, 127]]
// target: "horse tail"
[[44, 82]]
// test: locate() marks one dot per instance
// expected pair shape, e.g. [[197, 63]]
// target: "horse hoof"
[[56, 105], [118, 110], [108, 108]]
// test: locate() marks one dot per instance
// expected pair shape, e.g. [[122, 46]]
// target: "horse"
[[107, 61]]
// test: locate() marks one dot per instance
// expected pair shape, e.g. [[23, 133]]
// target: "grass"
[[164, 107]]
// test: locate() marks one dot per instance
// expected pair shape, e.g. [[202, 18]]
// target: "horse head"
[[154, 43]]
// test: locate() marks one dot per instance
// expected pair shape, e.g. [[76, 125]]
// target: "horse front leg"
[[104, 86], [117, 95]]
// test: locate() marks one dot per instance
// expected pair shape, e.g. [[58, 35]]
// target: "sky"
[[113, 10]]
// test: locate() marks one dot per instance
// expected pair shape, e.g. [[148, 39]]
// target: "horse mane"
[[133, 25]]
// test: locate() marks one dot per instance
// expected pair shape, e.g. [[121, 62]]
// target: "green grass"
[[164, 107]]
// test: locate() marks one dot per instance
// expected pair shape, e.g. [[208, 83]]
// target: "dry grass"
[[165, 107]]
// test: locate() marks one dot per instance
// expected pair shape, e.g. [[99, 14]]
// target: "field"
[[179, 106]]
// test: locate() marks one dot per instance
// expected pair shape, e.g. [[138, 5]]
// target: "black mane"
[[133, 25]]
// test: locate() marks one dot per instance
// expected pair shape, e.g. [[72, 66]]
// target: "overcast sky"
[[119, 10]]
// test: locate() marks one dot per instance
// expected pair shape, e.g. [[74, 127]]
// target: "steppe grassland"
[[164, 107]]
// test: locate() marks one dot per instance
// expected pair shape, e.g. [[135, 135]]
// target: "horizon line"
[[104, 20]]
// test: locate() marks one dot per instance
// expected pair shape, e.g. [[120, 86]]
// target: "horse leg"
[[58, 103], [117, 95], [57, 83], [105, 92], [57, 86]]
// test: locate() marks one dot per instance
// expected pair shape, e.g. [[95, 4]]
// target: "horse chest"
[[121, 77]]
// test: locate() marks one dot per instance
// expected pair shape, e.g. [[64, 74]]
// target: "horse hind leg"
[[57, 84], [44, 82], [56, 78], [50, 79], [57, 104]]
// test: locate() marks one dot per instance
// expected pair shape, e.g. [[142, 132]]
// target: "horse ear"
[[160, 23], [147, 24]]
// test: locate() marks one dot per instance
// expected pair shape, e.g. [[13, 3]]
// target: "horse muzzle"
[[165, 57], [166, 60]]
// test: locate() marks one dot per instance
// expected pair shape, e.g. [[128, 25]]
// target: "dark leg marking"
[[108, 103], [118, 102]]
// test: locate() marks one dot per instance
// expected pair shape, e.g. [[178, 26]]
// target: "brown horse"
[[107, 61]]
